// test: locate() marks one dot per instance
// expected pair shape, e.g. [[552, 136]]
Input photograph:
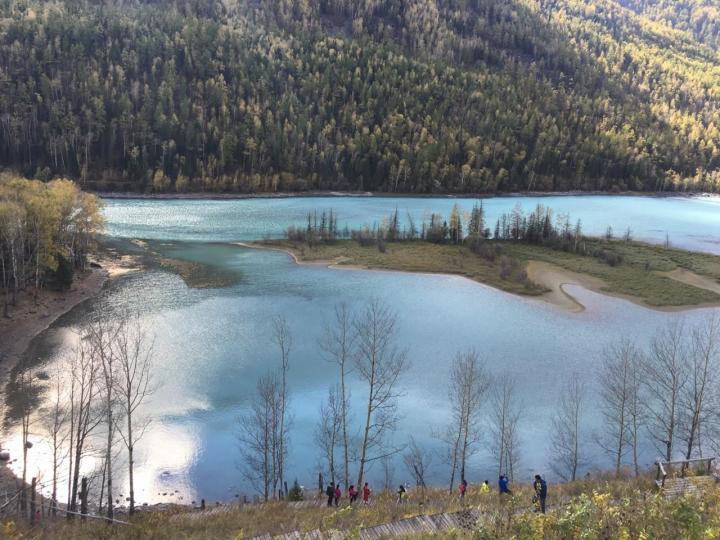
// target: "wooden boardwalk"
[[682, 483], [427, 524], [423, 524], [679, 487]]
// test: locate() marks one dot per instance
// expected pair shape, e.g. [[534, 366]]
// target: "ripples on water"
[[212, 344]]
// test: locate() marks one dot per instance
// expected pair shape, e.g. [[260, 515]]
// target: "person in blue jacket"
[[504, 485]]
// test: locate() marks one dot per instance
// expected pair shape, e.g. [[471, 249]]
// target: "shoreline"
[[547, 275], [205, 196], [562, 300], [28, 319]]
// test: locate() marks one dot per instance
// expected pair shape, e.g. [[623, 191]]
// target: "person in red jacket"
[[338, 494], [366, 494], [352, 494], [462, 489]]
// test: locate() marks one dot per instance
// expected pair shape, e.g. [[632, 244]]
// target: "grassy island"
[[655, 276], [534, 254]]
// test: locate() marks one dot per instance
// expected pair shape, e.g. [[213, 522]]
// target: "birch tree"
[[329, 429], [85, 416], [379, 364], [417, 461], [338, 343], [25, 391], [666, 374], [134, 384], [615, 395], [258, 436], [469, 383], [55, 424], [283, 339], [103, 334], [698, 400], [505, 416], [567, 444]]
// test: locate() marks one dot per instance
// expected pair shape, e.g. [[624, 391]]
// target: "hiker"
[[366, 494], [338, 494], [485, 487], [462, 488], [353, 494], [330, 492], [401, 494], [504, 485], [540, 492]]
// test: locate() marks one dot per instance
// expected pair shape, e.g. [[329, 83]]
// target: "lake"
[[211, 345]]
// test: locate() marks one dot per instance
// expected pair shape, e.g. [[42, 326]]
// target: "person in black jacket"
[[540, 492], [330, 492]]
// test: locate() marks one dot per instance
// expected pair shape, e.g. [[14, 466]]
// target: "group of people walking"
[[334, 492], [539, 487]]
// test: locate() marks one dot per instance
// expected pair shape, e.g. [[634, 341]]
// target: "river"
[[211, 345]]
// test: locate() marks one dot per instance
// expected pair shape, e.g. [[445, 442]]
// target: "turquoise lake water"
[[689, 222], [213, 344]]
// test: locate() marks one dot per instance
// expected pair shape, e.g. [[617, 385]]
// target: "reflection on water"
[[212, 344]]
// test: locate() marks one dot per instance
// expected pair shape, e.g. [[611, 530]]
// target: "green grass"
[[640, 275], [596, 507], [413, 257]]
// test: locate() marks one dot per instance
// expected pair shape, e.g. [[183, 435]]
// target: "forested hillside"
[[412, 96], [701, 18]]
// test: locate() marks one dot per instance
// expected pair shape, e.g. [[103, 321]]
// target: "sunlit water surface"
[[212, 345]]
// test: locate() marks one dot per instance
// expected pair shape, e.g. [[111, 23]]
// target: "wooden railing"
[[664, 466]]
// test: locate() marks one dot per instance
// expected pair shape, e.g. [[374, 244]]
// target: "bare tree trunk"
[[283, 339], [55, 425], [134, 352], [417, 462], [329, 429], [505, 416], [701, 387], [338, 342], [103, 336], [24, 381], [616, 393], [666, 373], [468, 385], [379, 365], [83, 368], [566, 436], [257, 436]]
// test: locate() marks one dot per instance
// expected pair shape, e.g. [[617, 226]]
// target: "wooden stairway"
[[679, 487], [418, 525]]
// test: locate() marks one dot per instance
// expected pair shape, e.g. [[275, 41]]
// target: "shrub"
[[609, 257], [64, 273], [296, 492]]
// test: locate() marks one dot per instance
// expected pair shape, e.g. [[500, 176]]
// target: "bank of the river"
[[652, 276], [31, 316], [380, 194]]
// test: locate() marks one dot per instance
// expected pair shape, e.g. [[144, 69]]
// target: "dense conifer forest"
[[413, 96]]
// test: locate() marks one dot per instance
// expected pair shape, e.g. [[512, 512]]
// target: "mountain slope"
[[701, 18], [408, 96]]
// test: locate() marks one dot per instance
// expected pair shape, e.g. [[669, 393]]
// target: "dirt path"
[[694, 280]]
